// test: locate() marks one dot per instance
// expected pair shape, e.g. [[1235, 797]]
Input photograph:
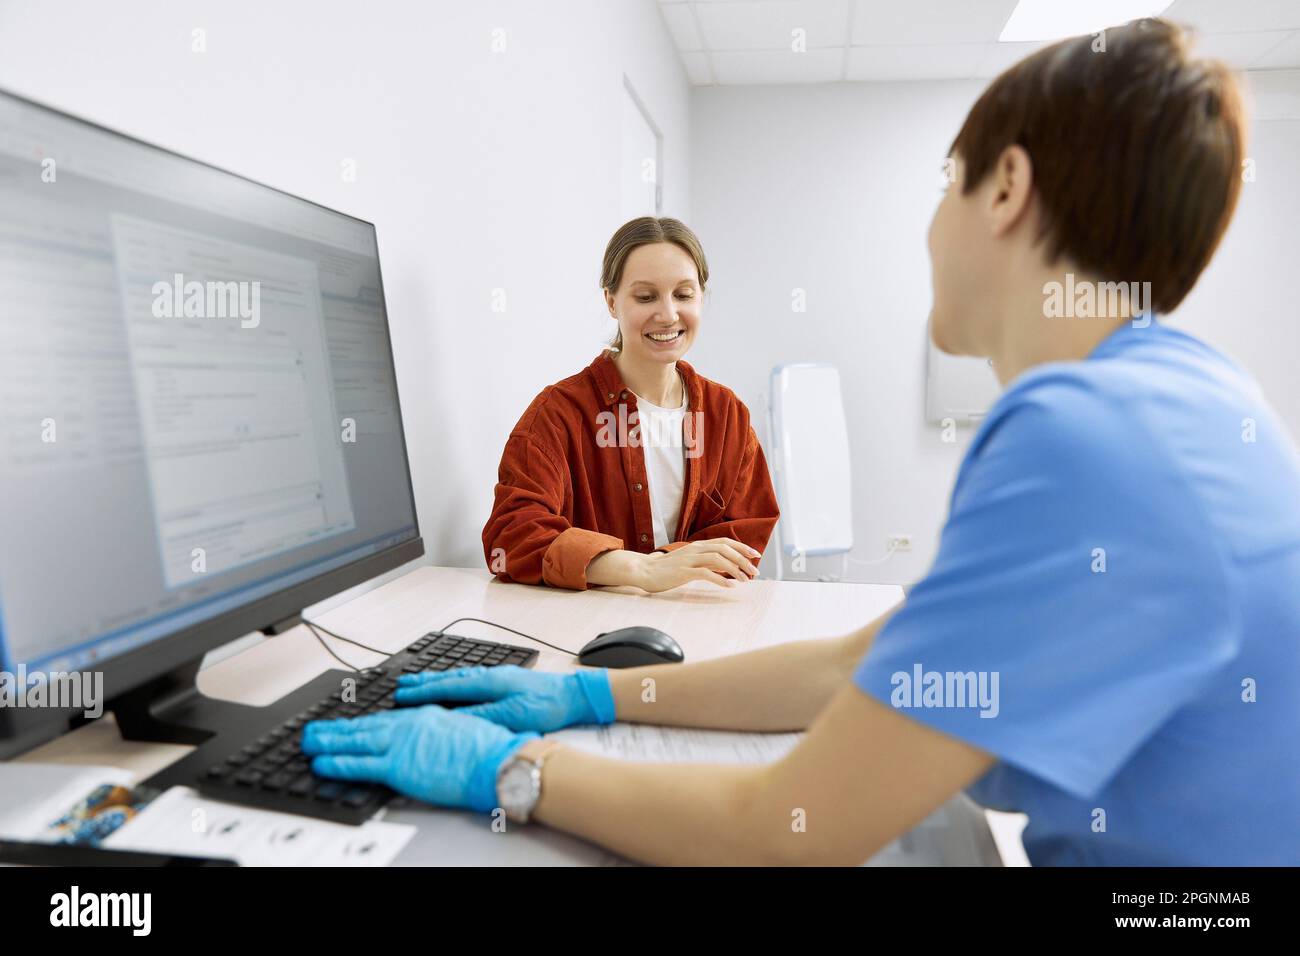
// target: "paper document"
[[182, 822], [955, 834], [677, 744], [38, 795]]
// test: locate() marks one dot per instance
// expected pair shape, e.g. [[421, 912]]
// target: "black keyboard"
[[269, 770]]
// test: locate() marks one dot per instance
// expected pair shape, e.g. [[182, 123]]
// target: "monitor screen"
[[197, 396]]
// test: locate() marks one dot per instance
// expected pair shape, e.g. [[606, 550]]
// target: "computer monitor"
[[201, 428]]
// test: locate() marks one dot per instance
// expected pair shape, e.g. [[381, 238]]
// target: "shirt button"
[[645, 537], [622, 396], [637, 486]]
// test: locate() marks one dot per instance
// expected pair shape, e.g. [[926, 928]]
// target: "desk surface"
[[706, 621]]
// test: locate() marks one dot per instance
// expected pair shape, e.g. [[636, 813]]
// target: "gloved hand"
[[441, 756], [515, 697]]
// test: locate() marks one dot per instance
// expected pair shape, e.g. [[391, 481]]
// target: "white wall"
[[481, 170], [1246, 303], [830, 189]]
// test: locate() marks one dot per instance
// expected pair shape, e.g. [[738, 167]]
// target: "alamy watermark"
[[80, 690], [208, 300], [624, 429], [920, 688], [1097, 300]]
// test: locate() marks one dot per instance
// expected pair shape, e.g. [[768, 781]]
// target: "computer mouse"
[[631, 647]]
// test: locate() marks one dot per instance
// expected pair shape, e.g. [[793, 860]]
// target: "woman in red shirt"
[[636, 470]]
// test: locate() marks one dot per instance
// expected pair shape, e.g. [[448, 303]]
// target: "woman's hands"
[[720, 561], [514, 697], [444, 757]]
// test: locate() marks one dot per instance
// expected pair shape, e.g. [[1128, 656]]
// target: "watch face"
[[515, 788]]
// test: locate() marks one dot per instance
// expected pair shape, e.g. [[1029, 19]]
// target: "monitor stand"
[[171, 709]]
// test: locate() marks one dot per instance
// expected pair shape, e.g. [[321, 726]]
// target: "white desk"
[[705, 621]]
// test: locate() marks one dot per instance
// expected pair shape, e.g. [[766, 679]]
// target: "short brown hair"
[[1137, 149], [643, 232]]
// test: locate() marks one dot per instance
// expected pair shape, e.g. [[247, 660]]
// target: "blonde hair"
[[643, 232]]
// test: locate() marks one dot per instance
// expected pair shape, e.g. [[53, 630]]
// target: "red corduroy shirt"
[[572, 482]]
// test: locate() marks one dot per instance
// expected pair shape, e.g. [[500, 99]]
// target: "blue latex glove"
[[433, 754], [516, 697]]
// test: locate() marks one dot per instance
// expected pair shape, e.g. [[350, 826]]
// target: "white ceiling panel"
[[749, 41], [928, 21], [941, 61], [1284, 56], [777, 66], [1227, 16], [768, 24], [1239, 50], [681, 24]]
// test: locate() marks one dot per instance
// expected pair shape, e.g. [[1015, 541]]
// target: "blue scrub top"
[[1120, 575]]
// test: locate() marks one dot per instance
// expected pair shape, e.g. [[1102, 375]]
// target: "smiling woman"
[[636, 470]]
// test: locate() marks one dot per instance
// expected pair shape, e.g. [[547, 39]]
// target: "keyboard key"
[[277, 781], [329, 790], [356, 797]]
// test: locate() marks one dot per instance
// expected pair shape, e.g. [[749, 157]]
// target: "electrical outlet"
[[899, 542]]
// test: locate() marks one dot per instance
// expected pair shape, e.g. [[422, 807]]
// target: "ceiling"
[[740, 42]]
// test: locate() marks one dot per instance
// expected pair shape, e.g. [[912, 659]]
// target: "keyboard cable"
[[364, 647], [328, 650], [480, 620], [440, 632]]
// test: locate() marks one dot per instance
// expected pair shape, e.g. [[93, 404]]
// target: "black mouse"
[[631, 647]]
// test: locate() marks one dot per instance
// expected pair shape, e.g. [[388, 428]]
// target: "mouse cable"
[[312, 627], [337, 636], [480, 620], [375, 650]]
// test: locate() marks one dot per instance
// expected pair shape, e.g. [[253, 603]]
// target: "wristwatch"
[[519, 783]]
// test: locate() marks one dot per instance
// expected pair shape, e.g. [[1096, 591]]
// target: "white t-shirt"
[[665, 464]]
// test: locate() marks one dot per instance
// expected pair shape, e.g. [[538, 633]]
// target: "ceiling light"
[[1057, 19]]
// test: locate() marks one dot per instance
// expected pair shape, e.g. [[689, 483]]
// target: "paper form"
[[677, 744], [182, 822]]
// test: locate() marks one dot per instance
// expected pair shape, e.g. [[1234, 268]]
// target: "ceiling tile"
[[935, 39], [1218, 16], [1284, 56], [777, 66], [1238, 50], [929, 21], [681, 24], [768, 24], [943, 61]]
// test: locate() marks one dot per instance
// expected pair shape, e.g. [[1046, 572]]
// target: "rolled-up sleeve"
[[527, 538]]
